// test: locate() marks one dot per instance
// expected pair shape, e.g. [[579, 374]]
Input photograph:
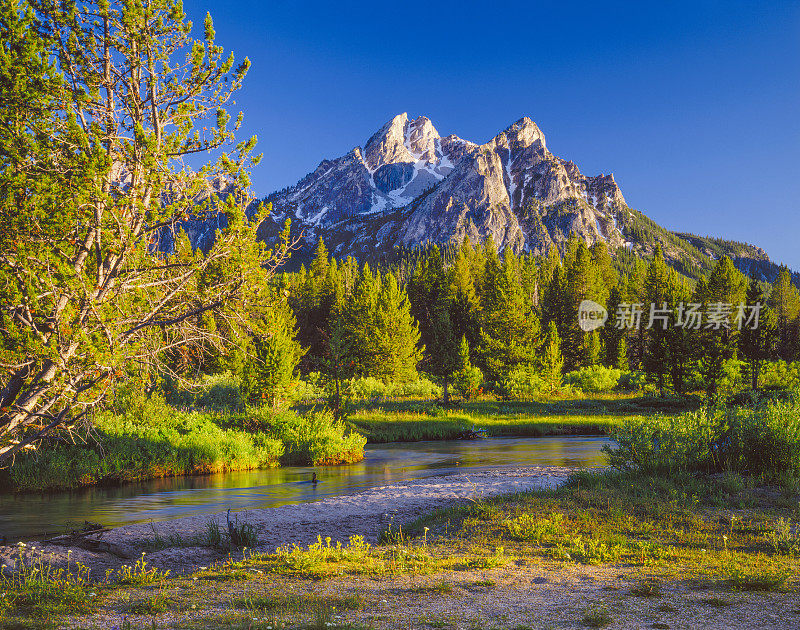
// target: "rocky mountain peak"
[[403, 141], [525, 133], [387, 146], [413, 185]]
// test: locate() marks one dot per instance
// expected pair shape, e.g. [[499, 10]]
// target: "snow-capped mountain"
[[410, 185]]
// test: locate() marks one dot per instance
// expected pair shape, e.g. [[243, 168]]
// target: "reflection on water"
[[163, 499]]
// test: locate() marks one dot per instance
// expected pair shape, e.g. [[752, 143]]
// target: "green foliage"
[[784, 300], [147, 439], [595, 378], [102, 277], [537, 529], [144, 438], [760, 440], [632, 381], [468, 382], [38, 590], [270, 374], [523, 383], [780, 374], [510, 333], [430, 296], [551, 359], [315, 438]]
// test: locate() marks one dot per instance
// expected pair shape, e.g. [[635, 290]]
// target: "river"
[[31, 515]]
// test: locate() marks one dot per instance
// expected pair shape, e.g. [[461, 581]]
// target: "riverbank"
[[153, 440], [150, 439], [623, 551], [183, 544]]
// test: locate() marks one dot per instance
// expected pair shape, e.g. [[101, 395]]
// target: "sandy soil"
[[366, 513]]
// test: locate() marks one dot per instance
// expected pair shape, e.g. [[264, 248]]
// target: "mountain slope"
[[409, 185]]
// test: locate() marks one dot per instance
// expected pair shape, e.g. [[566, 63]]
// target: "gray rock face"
[[409, 185]]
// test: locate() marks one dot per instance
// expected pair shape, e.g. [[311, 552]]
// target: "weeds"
[[597, 617], [647, 588], [40, 591], [138, 574], [785, 537], [739, 576]]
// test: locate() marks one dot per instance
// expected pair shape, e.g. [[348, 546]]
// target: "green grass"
[[763, 439], [37, 590], [409, 421], [597, 617], [156, 440]]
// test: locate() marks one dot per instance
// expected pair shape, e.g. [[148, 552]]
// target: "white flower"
[[203, 568], [194, 606]]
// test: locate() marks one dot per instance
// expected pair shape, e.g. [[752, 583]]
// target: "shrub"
[[367, 387], [595, 378], [760, 440], [421, 388], [315, 438], [467, 382], [780, 375], [221, 391], [632, 381], [312, 387], [522, 383]]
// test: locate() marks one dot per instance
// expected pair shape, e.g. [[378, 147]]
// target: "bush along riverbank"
[[145, 438]]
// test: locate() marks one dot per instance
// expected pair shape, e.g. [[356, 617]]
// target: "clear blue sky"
[[693, 106]]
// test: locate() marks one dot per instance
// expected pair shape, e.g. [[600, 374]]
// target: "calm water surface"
[[162, 499]]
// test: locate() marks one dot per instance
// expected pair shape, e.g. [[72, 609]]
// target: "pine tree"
[[658, 294], [464, 305], [757, 341], [594, 348], [510, 333], [104, 276], [551, 359], [725, 286], [613, 337], [359, 319], [394, 351], [337, 364], [277, 354], [784, 300], [581, 282], [429, 294]]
